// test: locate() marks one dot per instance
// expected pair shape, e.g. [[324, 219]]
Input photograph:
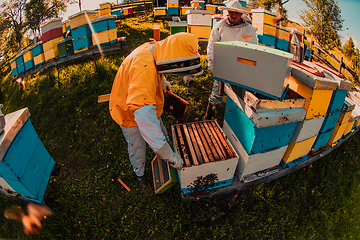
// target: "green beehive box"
[[178, 26], [65, 47], [164, 176]]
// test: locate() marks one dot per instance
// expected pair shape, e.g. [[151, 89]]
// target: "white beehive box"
[[307, 129], [209, 161], [199, 17], [250, 164], [51, 24], [257, 68]]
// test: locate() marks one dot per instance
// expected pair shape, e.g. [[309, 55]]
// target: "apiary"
[[177, 26], [250, 164], [256, 68], [209, 158], [81, 18], [159, 11], [25, 164], [256, 128]]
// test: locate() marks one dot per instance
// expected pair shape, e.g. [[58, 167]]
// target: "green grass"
[[316, 202]]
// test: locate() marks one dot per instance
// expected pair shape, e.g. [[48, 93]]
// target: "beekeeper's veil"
[[178, 54]]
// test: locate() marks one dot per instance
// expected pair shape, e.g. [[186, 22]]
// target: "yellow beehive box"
[[211, 8], [51, 44], [51, 55], [173, 5], [283, 33], [299, 149], [159, 11], [341, 125], [265, 29], [201, 32], [80, 19], [39, 59], [105, 5], [104, 36], [27, 55], [263, 16], [105, 12], [13, 64], [184, 9], [317, 97], [194, 4]]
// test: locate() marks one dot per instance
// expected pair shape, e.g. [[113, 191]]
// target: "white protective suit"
[[221, 32], [137, 99]]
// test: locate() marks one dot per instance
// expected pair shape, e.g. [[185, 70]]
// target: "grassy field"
[[316, 202]]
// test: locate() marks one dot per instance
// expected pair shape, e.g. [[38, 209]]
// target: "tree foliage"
[[323, 19], [349, 48]]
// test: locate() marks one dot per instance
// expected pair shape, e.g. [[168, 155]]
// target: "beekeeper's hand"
[[167, 154], [210, 66], [165, 85]]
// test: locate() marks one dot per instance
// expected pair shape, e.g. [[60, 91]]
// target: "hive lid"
[[14, 122], [193, 11], [82, 12], [257, 48], [50, 21], [102, 18]]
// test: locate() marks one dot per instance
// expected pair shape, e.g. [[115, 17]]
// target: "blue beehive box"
[[29, 64], [82, 43], [173, 11], [38, 49], [21, 68], [81, 32], [117, 12], [256, 127], [25, 164], [103, 23]]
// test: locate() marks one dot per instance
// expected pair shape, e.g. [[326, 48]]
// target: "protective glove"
[[165, 85], [210, 66], [167, 154]]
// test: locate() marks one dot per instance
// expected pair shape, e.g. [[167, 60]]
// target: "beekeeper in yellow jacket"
[[137, 96]]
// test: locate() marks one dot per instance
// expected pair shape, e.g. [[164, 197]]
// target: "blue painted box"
[[15, 72], [25, 164], [282, 44], [82, 43], [266, 39], [21, 68], [38, 49], [173, 11], [103, 23], [81, 32], [20, 60], [29, 64]]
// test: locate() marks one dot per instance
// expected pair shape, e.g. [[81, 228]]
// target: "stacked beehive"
[[210, 160], [172, 7], [65, 46], [105, 9], [262, 20], [118, 12], [28, 59], [199, 23], [25, 164], [51, 33], [128, 11], [20, 63], [212, 8], [282, 38], [80, 30], [104, 30], [335, 106], [317, 89], [184, 9], [197, 3], [177, 26], [354, 97], [38, 54], [14, 70], [260, 128]]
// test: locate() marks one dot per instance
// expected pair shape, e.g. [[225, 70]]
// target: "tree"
[[38, 11], [323, 19], [349, 48], [273, 5]]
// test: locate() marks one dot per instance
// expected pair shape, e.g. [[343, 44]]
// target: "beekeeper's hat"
[[233, 6]]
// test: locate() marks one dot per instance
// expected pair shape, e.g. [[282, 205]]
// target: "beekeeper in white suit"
[[233, 27]]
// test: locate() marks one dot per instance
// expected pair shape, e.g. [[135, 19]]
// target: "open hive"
[[209, 158]]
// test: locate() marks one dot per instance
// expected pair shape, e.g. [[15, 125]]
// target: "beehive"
[[118, 12], [200, 3], [297, 152], [282, 38], [82, 44], [254, 163], [199, 18], [177, 26], [25, 164], [209, 158], [20, 63], [104, 23], [105, 9], [183, 10], [51, 29], [210, 7], [104, 38], [159, 11], [256, 68], [14, 70], [65, 48], [50, 49], [81, 18], [28, 59], [261, 130], [266, 29]]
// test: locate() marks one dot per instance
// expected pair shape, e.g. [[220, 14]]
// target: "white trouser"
[[137, 147], [215, 99]]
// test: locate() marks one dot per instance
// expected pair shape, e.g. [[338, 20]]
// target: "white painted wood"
[[199, 17], [307, 129], [268, 76], [249, 164], [5, 185], [51, 24], [267, 117]]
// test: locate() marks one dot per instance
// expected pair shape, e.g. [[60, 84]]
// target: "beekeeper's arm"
[[150, 130], [214, 37]]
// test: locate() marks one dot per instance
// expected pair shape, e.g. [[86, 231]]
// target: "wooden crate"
[[210, 160], [25, 164], [253, 67], [250, 164]]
